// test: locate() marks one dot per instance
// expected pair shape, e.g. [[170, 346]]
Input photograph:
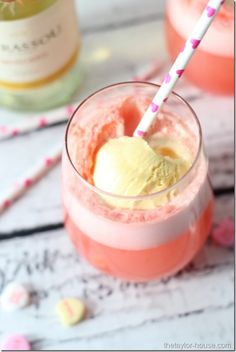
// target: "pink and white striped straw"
[[37, 121], [178, 67], [40, 169]]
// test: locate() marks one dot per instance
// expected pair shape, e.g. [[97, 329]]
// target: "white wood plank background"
[[196, 306]]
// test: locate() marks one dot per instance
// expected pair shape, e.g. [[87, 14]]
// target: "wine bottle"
[[39, 48]]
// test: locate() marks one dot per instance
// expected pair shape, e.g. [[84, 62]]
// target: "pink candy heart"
[[195, 43], [16, 342], [180, 72], [155, 107], [223, 233], [210, 11]]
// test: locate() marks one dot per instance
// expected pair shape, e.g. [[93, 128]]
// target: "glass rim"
[[145, 196]]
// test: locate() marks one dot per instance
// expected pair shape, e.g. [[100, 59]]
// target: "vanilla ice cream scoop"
[[128, 166]]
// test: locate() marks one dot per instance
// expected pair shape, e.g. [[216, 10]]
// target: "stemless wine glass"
[[131, 242]]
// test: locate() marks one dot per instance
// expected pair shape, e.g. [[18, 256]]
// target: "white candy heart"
[[14, 297]]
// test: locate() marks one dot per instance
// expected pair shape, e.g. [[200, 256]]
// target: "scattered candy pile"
[[71, 311], [15, 296]]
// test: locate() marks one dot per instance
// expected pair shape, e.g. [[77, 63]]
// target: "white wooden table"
[[195, 306]]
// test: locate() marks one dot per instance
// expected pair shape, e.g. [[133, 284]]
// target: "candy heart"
[[14, 297], [210, 11], [16, 343], [154, 107], [195, 43], [180, 72], [223, 233], [70, 311]]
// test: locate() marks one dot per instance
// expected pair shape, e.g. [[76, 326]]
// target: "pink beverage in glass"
[[134, 244], [212, 66]]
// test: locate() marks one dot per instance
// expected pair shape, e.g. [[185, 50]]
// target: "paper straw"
[[40, 169], [179, 65], [49, 161], [62, 114], [38, 121]]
